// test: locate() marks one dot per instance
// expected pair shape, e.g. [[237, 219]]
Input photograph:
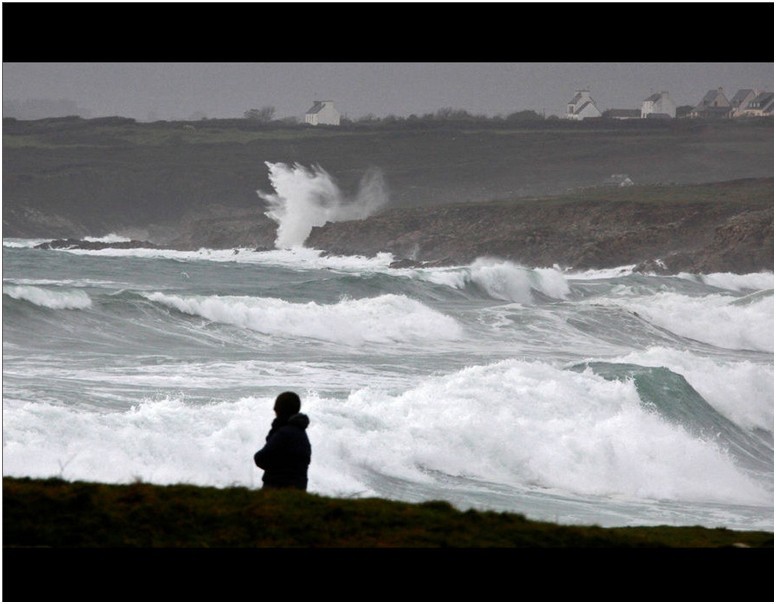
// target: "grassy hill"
[[56, 513], [98, 542]]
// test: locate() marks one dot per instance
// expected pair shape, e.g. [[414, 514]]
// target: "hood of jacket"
[[300, 420]]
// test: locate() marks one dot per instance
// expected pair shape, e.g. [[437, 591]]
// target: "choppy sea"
[[602, 397]]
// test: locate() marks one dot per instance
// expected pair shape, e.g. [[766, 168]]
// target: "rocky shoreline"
[[717, 227], [83, 244]]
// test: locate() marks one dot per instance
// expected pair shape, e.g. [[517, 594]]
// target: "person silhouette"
[[286, 453]]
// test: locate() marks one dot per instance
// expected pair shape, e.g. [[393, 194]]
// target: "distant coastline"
[[700, 195]]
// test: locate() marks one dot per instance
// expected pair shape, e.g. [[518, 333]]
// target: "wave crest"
[[47, 298], [504, 280], [385, 319]]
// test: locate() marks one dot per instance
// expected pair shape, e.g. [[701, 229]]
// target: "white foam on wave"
[[521, 423], [515, 423], [742, 391], [307, 258], [602, 273], [161, 441], [502, 280], [297, 258], [109, 238], [13, 242], [65, 282], [49, 298], [733, 281], [714, 319], [111, 387], [385, 319]]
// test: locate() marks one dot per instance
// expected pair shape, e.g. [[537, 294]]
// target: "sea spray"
[[309, 197]]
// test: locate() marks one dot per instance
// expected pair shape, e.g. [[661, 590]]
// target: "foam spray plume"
[[305, 198]]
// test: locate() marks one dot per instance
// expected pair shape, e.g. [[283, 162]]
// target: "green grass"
[[60, 514]]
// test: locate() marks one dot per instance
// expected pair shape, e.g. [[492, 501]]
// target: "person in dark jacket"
[[286, 454]]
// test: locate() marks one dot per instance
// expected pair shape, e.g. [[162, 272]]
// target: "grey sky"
[[179, 90]]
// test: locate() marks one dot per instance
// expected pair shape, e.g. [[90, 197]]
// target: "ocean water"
[[602, 397]]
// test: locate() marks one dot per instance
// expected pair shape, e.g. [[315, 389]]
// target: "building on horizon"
[[714, 105], [581, 106], [658, 105], [741, 100], [322, 113], [760, 106]]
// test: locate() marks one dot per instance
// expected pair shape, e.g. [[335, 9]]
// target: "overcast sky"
[[180, 90]]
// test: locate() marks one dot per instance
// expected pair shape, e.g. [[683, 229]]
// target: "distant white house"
[[658, 105], [741, 100], [322, 113], [581, 106], [761, 105]]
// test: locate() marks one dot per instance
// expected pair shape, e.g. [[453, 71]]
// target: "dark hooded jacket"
[[285, 456]]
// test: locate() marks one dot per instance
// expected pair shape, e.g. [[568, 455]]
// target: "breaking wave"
[[384, 319], [47, 298], [504, 280]]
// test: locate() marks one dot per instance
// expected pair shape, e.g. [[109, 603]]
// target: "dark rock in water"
[[58, 244], [79, 244], [405, 263]]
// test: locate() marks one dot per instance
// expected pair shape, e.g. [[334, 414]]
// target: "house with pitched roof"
[[322, 113], [658, 105], [714, 105], [761, 105], [581, 106], [741, 100]]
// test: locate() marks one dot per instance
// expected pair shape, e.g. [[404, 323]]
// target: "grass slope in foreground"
[[56, 513]]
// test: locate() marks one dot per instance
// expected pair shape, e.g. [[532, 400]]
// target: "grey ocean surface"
[[604, 397]]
